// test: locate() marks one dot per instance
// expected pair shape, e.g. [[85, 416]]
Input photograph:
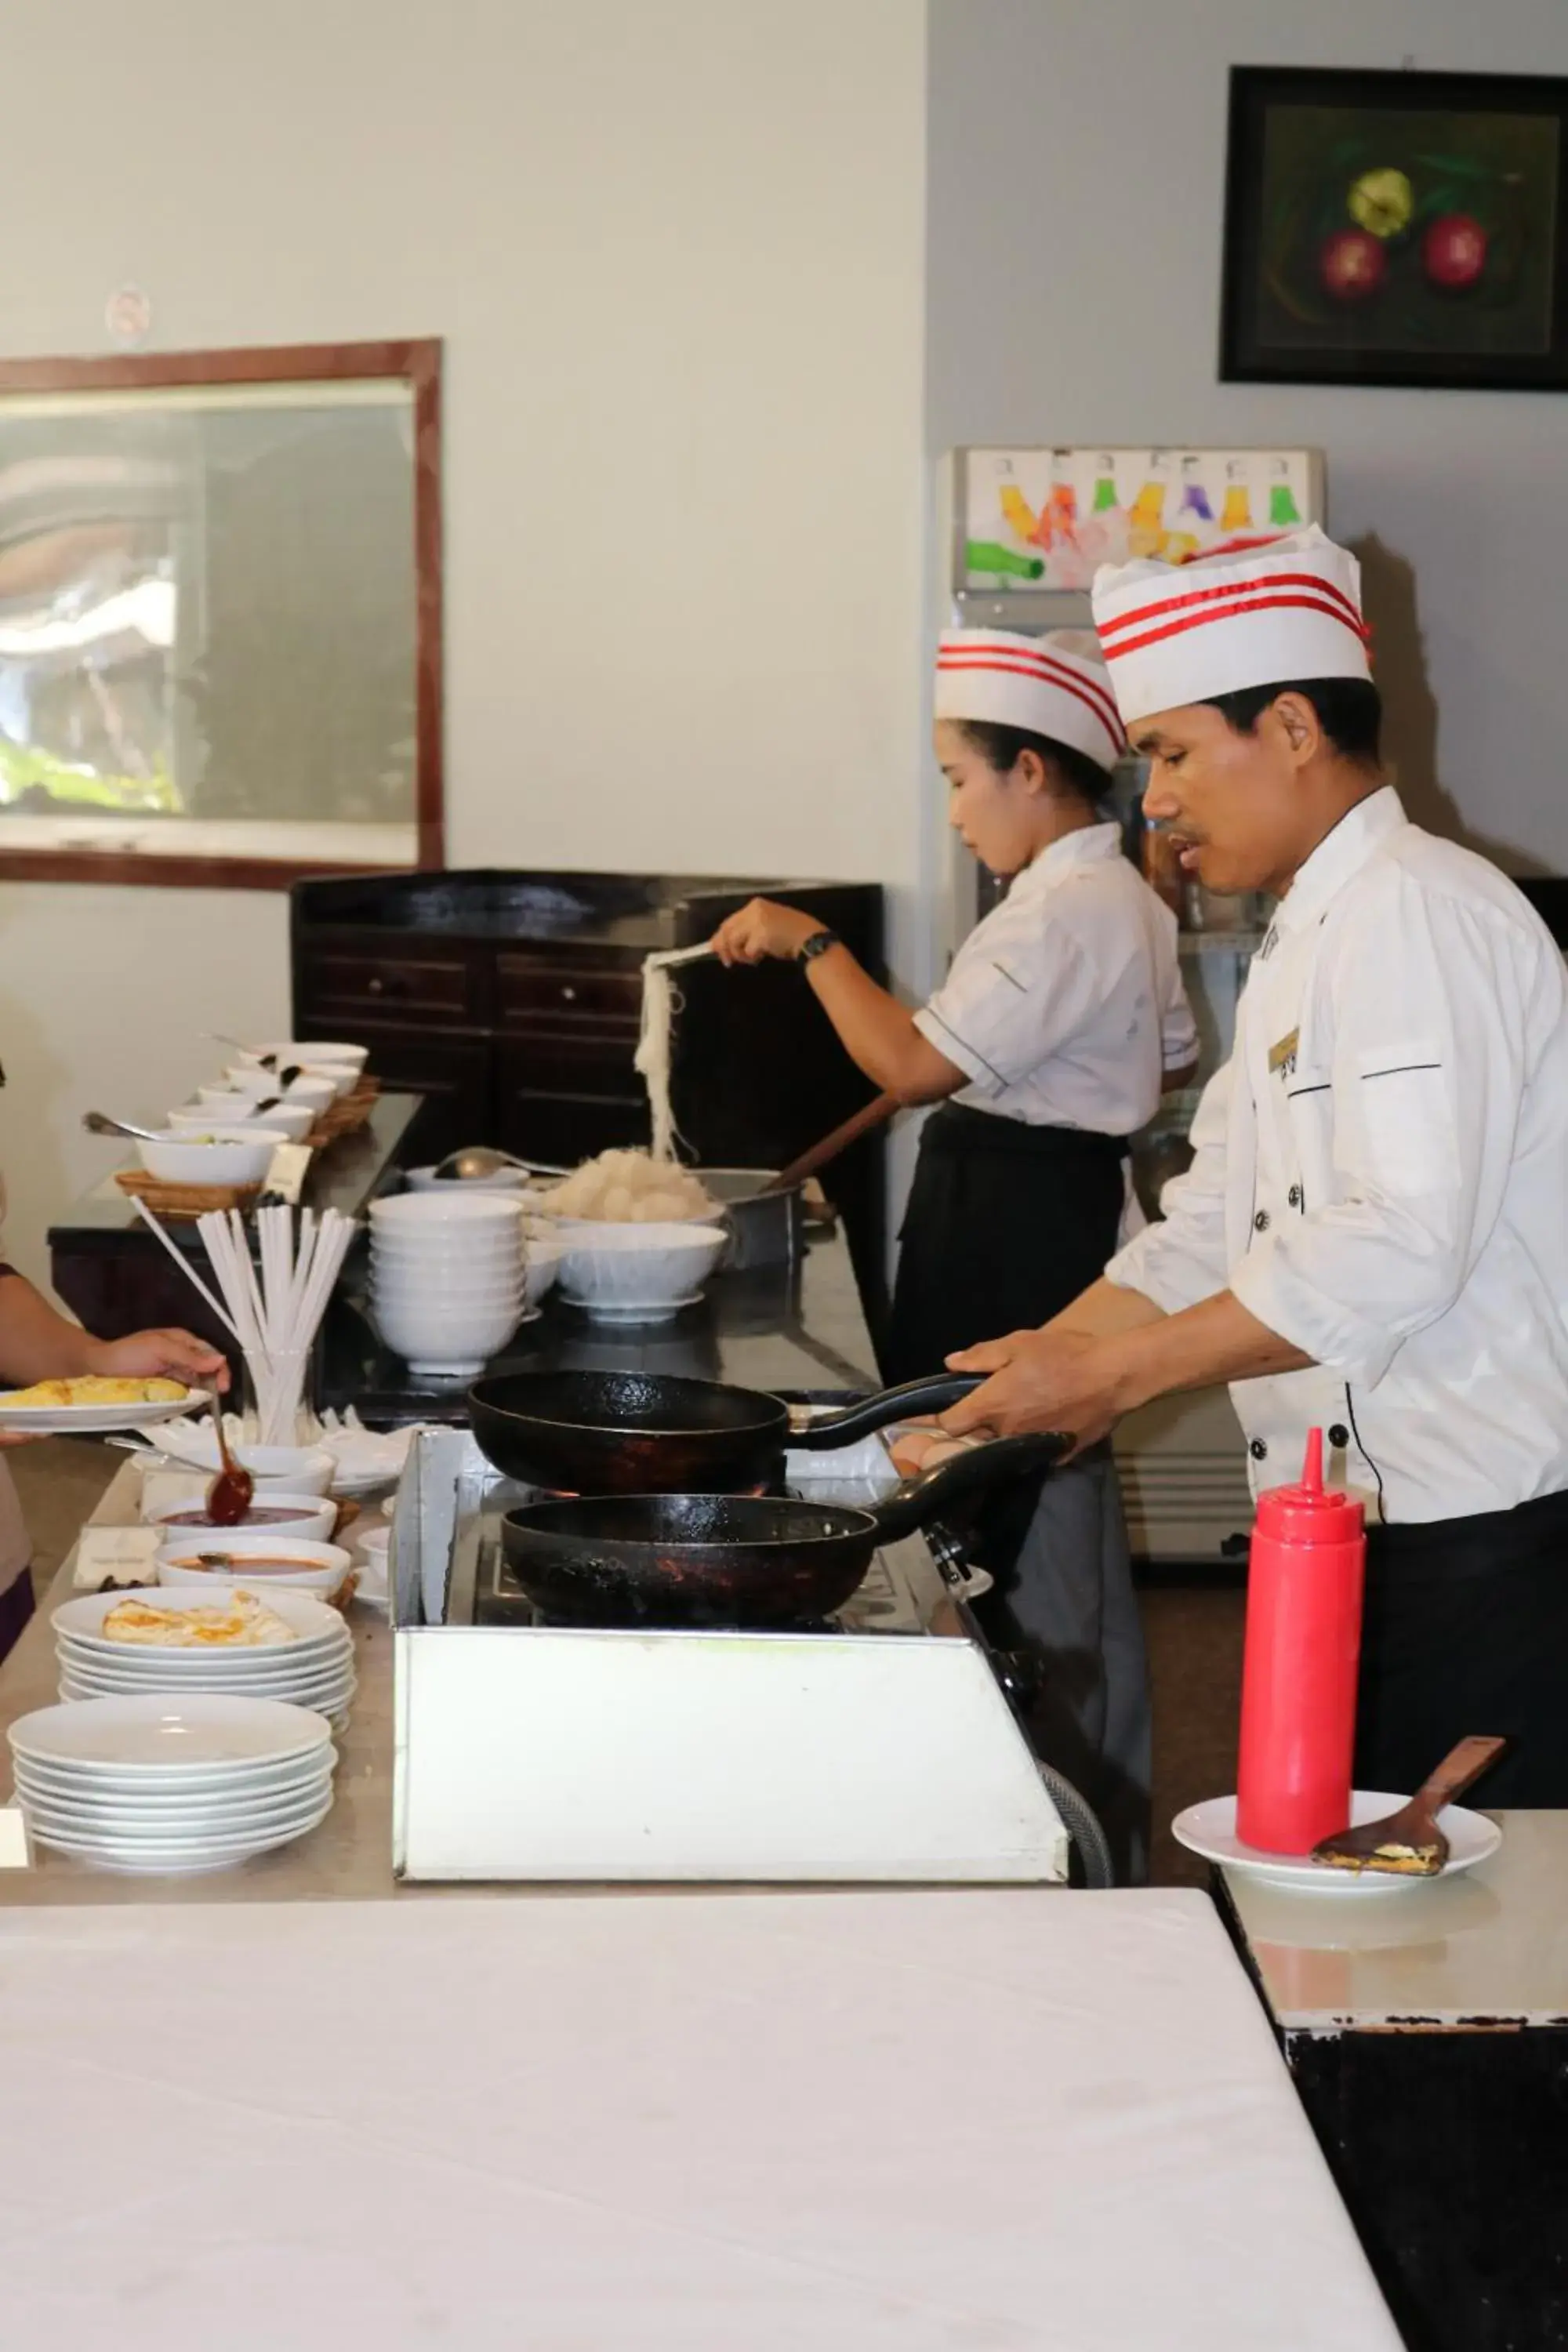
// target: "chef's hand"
[[1051, 1380], [161, 1355], [761, 929]]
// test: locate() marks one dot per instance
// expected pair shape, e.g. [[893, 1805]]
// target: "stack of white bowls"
[[447, 1283], [159, 1782], [314, 1667]]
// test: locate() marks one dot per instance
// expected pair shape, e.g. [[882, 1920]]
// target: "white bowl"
[[445, 1338], [505, 1180], [277, 1469], [540, 1267], [240, 1157], [455, 1255], [306, 1051], [622, 1267], [314, 1516], [318, 1081], [455, 1289], [293, 1120], [436, 1241], [455, 1266], [318, 1568], [403, 1214]]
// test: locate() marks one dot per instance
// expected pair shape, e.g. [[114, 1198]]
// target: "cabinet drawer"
[[345, 983], [529, 986]]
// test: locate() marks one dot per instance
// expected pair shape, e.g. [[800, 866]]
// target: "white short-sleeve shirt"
[[1065, 1006]]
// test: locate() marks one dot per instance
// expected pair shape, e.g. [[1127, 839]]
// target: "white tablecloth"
[[882, 2123]]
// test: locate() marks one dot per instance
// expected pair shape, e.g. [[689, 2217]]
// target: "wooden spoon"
[[1409, 1841], [229, 1496]]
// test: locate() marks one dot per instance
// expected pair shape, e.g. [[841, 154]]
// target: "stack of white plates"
[[161, 1783], [448, 1287], [314, 1668]]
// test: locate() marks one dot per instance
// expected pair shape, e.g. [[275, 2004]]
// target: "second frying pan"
[[656, 1433]]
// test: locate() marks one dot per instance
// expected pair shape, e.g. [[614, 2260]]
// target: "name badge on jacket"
[[1282, 1054]]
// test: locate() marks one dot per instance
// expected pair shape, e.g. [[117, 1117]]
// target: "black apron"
[[1466, 1629], [1005, 1224]]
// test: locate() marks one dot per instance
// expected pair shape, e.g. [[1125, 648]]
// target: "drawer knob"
[[375, 986], [570, 993]]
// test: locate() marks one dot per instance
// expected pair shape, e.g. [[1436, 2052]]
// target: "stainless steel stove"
[[550, 1752], [904, 1589]]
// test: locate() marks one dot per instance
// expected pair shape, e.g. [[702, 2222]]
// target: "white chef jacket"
[[1381, 1176], [1065, 1005]]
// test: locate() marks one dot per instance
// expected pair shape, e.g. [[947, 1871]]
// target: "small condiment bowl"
[[319, 1568], [313, 1516]]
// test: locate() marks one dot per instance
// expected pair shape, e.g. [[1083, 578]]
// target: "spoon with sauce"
[[229, 1496]]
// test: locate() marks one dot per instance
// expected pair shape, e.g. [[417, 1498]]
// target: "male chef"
[[1373, 1237]]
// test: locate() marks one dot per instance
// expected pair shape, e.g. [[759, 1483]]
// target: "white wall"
[[1076, 171], [676, 251]]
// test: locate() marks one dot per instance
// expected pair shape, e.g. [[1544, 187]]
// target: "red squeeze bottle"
[[1298, 1669]]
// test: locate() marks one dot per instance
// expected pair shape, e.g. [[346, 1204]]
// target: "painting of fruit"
[[1396, 228]]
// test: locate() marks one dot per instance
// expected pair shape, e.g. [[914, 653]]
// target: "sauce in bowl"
[[261, 1515]]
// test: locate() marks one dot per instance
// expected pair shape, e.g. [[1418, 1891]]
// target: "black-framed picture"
[[1395, 228]]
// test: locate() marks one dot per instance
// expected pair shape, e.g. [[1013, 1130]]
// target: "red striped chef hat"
[[1055, 686], [1240, 616]]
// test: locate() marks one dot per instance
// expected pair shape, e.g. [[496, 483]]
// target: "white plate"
[[201, 1670], [625, 1311], [34, 1781], [154, 1733], [79, 1623], [206, 1824], [96, 1420], [1209, 1829], [299, 1688], [134, 1854], [198, 1670]]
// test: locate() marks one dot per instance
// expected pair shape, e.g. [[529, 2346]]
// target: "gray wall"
[[1076, 166]]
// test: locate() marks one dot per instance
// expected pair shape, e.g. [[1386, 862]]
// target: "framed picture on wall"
[[1395, 228], [220, 614]]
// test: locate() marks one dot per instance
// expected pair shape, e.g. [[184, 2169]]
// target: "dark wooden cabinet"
[[452, 1071], [515, 1002]]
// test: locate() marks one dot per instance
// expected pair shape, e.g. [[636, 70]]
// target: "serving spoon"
[[1410, 1842], [229, 1496], [98, 1122]]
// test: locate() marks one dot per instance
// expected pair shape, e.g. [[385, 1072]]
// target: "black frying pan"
[[656, 1433], [731, 1560]]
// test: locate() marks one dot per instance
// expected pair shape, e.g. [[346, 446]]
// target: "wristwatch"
[[818, 944]]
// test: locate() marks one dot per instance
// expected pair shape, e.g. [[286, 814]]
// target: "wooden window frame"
[[416, 363]]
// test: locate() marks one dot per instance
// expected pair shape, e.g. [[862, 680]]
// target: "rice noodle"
[[661, 1003]]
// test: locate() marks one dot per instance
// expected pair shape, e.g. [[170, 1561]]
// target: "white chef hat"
[[1055, 686], [1240, 616]]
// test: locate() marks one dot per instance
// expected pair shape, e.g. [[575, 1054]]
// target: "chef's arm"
[[1107, 1353], [874, 1029], [877, 1031], [37, 1344]]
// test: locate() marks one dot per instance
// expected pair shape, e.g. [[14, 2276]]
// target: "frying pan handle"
[[932, 1394], [909, 1506]]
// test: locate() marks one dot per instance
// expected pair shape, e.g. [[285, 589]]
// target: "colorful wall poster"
[[1046, 519]]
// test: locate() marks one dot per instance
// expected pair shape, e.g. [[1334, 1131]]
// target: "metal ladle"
[[476, 1160]]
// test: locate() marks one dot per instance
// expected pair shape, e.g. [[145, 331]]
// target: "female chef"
[[1062, 1018], [1372, 1238]]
